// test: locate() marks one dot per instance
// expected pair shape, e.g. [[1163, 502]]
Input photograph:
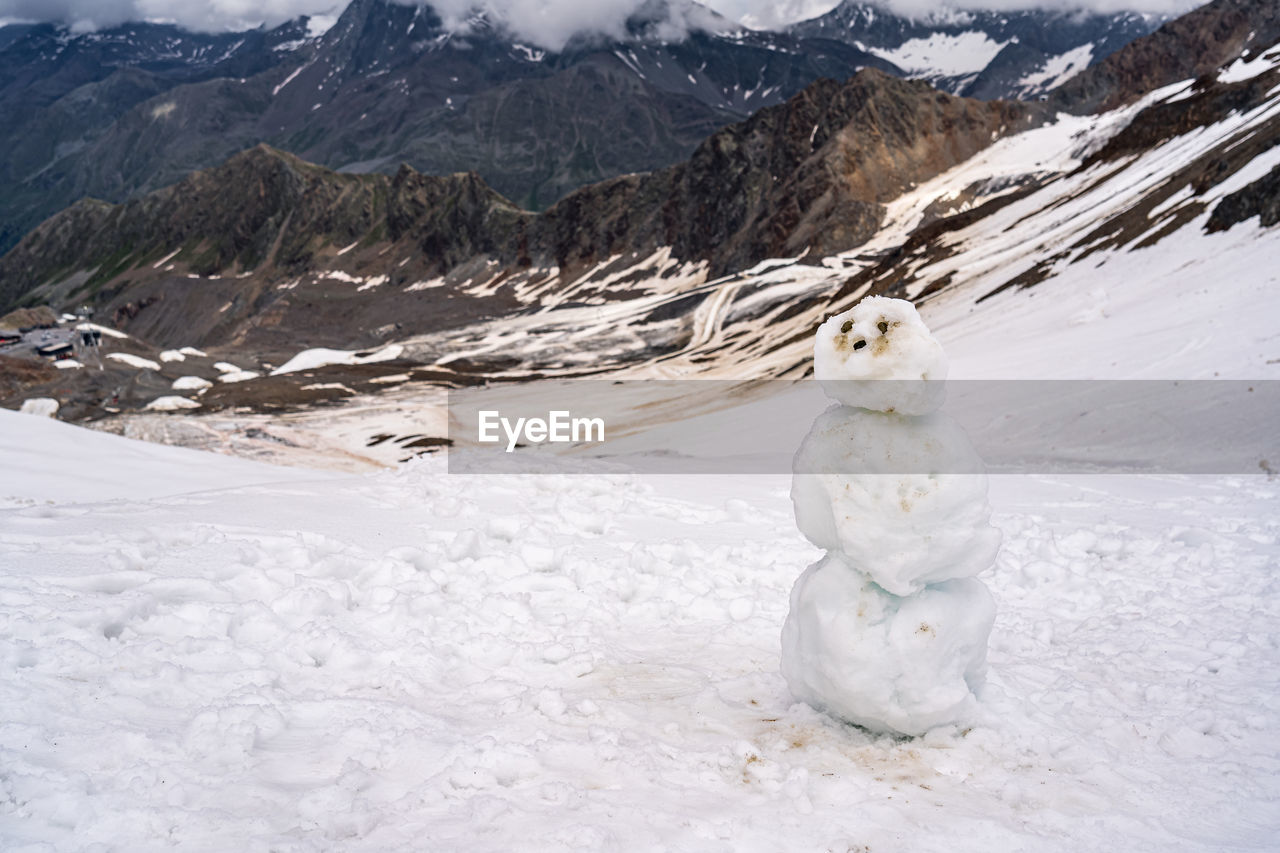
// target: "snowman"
[[889, 630]]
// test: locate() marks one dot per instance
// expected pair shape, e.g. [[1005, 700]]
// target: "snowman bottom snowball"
[[902, 664]]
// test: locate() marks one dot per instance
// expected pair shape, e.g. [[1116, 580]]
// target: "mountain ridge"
[[810, 174], [386, 83]]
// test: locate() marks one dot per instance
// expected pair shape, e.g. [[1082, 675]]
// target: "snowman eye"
[[882, 326], [859, 345], [847, 327]]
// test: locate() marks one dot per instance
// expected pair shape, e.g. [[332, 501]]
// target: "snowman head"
[[880, 355]]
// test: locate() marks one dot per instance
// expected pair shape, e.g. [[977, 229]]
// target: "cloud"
[[545, 23], [551, 23], [200, 15]]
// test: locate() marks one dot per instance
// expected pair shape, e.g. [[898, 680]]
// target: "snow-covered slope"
[[985, 53], [46, 461], [1115, 238]]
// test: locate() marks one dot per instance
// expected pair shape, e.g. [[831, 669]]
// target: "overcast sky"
[[545, 22]]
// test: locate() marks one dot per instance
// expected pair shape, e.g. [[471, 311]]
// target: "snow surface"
[[553, 663], [47, 462]]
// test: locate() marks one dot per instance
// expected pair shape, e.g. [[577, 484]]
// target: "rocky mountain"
[[109, 115], [1192, 46], [204, 261], [980, 53], [62, 92], [121, 112]]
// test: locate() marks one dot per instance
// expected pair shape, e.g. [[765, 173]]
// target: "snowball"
[[903, 498], [880, 339], [880, 661]]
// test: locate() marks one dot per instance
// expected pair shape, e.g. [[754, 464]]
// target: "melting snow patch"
[[173, 355], [134, 360], [190, 383], [44, 407], [339, 275], [1243, 69], [171, 403], [425, 285], [239, 376], [321, 357], [192, 351], [327, 386], [1058, 69], [166, 259], [286, 81], [94, 327]]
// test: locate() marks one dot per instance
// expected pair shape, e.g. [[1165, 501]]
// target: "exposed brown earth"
[[19, 375]]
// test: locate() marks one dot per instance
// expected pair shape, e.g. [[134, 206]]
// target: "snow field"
[[414, 660]]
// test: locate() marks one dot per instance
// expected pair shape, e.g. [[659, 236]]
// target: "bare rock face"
[[1260, 198], [812, 174], [1187, 47]]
